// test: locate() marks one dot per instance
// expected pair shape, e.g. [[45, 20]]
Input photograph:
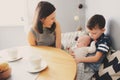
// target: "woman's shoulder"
[[33, 31]]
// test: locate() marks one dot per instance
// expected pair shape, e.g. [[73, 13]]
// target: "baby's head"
[[83, 41]]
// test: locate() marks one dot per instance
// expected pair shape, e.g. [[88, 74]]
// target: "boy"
[[95, 28]]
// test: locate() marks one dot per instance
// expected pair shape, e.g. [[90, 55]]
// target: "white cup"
[[12, 53], [35, 62]]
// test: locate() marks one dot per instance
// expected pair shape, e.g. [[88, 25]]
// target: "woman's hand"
[[58, 35]]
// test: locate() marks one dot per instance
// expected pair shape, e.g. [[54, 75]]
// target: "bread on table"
[[5, 70], [3, 66]]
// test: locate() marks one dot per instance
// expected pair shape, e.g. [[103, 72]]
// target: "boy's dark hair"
[[96, 20]]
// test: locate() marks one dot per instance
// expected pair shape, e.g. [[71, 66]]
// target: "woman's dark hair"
[[43, 10], [96, 20], [40, 27]]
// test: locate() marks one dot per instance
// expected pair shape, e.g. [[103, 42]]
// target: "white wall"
[[111, 11], [65, 12], [12, 29], [12, 36], [11, 12], [12, 23]]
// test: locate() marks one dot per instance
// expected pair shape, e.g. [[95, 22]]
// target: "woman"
[[45, 29]]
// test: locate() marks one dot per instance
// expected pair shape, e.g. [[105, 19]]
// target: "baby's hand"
[[72, 54], [70, 51]]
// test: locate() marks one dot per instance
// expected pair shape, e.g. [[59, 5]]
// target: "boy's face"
[[95, 33]]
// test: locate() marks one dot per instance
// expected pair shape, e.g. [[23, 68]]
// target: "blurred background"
[[16, 18]]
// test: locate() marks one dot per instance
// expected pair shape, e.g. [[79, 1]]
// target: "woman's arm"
[[58, 35], [31, 39]]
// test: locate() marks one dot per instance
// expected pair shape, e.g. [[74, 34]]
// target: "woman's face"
[[48, 21]]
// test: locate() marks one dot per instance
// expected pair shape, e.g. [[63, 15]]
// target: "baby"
[[81, 48]]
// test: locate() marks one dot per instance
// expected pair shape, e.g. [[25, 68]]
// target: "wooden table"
[[61, 66]]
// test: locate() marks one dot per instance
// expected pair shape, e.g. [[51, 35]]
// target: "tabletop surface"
[[60, 65]]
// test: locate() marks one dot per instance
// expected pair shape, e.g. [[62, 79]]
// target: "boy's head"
[[96, 26], [83, 41]]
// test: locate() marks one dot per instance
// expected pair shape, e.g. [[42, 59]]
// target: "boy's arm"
[[102, 49], [90, 58]]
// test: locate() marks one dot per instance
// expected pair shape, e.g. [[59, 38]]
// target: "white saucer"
[[43, 66], [14, 59]]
